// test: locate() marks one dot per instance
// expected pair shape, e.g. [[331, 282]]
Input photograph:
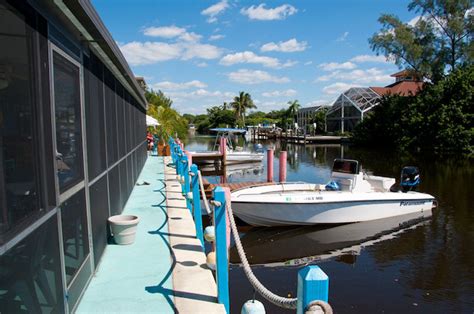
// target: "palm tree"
[[293, 108], [241, 103]]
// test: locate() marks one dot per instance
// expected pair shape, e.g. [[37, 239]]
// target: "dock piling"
[[313, 284], [282, 168], [222, 263], [270, 165], [197, 203]]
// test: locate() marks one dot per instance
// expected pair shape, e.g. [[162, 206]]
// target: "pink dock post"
[[283, 155], [270, 165], [190, 158], [228, 203]]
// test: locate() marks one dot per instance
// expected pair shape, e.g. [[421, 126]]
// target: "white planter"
[[123, 228]]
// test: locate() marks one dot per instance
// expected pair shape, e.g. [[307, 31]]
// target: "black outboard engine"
[[409, 179]]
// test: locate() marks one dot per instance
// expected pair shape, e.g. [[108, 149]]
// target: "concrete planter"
[[123, 228]]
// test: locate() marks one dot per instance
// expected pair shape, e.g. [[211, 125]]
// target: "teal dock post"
[[313, 284], [197, 203], [179, 164], [186, 186], [184, 165], [222, 263]]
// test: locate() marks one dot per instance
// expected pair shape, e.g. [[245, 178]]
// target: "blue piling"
[[313, 284], [184, 165], [197, 203], [186, 185], [222, 263]]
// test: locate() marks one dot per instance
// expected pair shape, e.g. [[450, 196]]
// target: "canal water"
[[423, 267]]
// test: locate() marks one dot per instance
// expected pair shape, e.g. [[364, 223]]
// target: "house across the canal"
[[351, 106]]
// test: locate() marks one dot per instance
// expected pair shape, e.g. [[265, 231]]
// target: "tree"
[[438, 119], [293, 109], [171, 122], [240, 104], [157, 99], [440, 38]]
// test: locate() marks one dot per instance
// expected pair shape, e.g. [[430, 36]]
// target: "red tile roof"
[[402, 88]]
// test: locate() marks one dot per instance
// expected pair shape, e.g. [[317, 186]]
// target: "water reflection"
[[289, 246]]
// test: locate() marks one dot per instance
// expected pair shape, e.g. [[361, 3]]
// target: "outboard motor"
[[409, 179]]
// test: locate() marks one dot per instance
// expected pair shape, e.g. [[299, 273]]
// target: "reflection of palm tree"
[[241, 103]]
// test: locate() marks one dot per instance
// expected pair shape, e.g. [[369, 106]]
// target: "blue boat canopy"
[[228, 130]]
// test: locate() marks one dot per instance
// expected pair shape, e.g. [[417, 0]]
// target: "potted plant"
[[123, 228]]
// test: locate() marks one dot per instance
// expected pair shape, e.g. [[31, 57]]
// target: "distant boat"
[[351, 196], [233, 156]]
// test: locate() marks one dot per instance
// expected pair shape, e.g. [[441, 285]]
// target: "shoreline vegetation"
[[437, 48]]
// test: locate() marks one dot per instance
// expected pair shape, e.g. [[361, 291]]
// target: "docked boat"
[[350, 196], [234, 155]]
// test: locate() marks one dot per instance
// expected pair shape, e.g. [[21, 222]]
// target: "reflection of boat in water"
[[351, 196], [287, 246], [233, 156]]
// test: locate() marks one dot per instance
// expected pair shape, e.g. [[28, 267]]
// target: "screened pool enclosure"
[[349, 108]]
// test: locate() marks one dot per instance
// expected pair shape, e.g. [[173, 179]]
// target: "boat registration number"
[[411, 203], [306, 198]]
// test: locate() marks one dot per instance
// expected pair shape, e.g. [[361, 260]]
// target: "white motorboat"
[[351, 196], [233, 156]]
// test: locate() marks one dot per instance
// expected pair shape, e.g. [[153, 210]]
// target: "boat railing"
[[313, 283]]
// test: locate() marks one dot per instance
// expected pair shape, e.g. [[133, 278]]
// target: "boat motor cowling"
[[409, 178]]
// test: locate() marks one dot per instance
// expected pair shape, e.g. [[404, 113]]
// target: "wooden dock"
[[208, 187], [298, 138]]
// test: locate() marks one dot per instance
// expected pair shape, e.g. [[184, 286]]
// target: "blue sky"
[[202, 53]]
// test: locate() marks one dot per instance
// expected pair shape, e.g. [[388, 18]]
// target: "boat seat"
[[345, 183]]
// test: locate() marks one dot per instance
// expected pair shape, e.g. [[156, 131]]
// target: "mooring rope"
[[203, 193], [287, 303]]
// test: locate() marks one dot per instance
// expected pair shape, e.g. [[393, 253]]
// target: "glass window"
[[94, 107], [30, 276], [111, 117], [99, 205], [19, 174], [114, 191], [67, 104], [74, 227]]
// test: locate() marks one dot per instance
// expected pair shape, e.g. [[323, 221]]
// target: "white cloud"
[[336, 66], [368, 58], [343, 37], [291, 45], [216, 37], [280, 93], [141, 53], [308, 63], [202, 64], [250, 57], [358, 76], [319, 102], [190, 37], [245, 76], [263, 14], [138, 53], [164, 31], [201, 51], [337, 88], [214, 10], [167, 85]]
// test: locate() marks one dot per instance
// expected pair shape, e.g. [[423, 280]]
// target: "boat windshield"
[[346, 166]]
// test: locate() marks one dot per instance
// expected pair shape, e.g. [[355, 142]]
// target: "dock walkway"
[[164, 271]]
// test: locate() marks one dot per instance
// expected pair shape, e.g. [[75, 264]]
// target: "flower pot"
[[123, 228]]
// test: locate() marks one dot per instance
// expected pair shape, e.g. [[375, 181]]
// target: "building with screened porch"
[[353, 105]]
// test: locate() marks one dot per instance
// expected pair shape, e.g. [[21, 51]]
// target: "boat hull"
[[336, 212]]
